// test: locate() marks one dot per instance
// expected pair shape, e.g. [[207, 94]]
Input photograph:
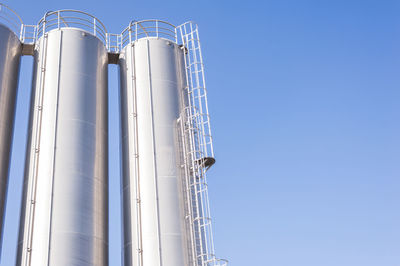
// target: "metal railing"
[[10, 18], [72, 19], [148, 28], [114, 42], [28, 34]]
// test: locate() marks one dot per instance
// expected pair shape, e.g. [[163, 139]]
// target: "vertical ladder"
[[35, 157], [198, 154]]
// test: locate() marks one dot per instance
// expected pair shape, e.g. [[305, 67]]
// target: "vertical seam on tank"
[[32, 203], [55, 144], [188, 233], [136, 145], [185, 146], [154, 149]]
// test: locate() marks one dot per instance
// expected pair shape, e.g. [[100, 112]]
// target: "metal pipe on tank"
[[153, 207], [64, 216], [10, 55]]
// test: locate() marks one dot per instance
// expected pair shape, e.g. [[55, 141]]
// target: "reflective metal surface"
[[64, 217], [151, 82], [10, 54]]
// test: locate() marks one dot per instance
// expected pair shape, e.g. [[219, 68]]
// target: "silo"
[[151, 82], [166, 147], [64, 216], [10, 54]]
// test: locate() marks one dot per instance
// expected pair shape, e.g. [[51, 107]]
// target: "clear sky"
[[304, 98]]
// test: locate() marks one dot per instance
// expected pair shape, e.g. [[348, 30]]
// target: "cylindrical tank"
[[151, 84], [10, 55], [64, 217]]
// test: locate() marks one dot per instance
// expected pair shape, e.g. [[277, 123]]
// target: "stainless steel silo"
[[64, 216], [151, 84], [10, 54]]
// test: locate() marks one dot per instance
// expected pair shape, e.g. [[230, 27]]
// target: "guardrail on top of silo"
[[10, 18], [28, 34], [148, 28], [114, 42], [72, 19]]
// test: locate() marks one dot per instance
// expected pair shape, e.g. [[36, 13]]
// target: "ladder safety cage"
[[10, 18], [198, 153]]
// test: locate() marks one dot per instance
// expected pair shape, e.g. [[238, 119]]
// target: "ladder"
[[198, 153]]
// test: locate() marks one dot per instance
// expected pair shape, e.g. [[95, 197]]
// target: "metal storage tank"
[[151, 82], [64, 217], [10, 55], [166, 147]]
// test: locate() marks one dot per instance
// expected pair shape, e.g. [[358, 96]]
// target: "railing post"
[[176, 35], [136, 33], [94, 27], [58, 19], [157, 28], [130, 33], [21, 33], [44, 24]]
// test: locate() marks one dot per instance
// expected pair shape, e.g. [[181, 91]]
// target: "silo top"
[[153, 28], [10, 18], [148, 28], [72, 19]]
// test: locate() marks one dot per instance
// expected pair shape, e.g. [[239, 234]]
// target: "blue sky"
[[304, 99]]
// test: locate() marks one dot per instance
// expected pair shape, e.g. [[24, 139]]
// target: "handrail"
[[67, 18], [10, 18], [148, 28], [75, 18]]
